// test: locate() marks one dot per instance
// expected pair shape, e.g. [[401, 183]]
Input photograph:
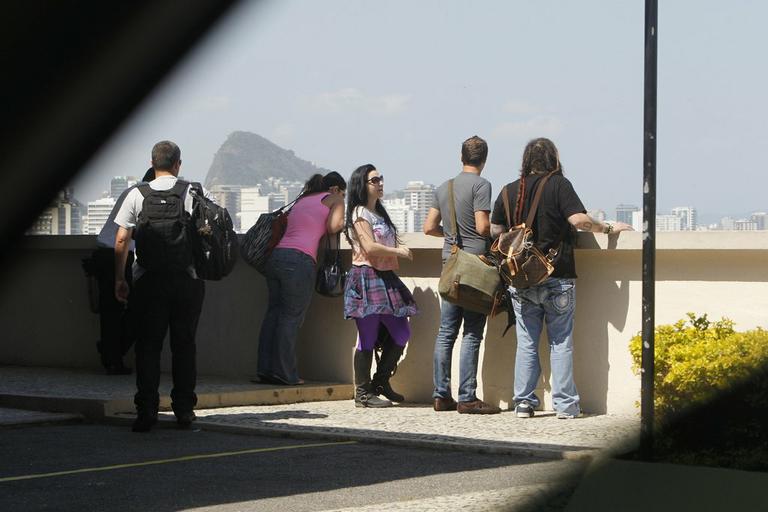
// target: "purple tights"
[[368, 330]]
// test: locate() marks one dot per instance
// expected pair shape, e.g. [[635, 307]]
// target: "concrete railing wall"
[[46, 321]]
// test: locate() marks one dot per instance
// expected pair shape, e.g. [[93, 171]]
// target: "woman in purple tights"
[[373, 295]]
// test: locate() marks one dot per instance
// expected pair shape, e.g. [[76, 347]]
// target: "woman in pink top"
[[373, 294], [290, 273]]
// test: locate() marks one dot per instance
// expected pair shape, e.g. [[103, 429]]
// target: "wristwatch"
[[608, 229]]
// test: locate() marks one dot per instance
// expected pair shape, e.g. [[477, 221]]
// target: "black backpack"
[[162, 232], [214, 241]]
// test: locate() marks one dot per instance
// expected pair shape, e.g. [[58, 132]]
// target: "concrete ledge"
[[95, 395], [631, 240]]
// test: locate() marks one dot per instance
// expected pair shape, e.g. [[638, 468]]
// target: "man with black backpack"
[[167, 292]]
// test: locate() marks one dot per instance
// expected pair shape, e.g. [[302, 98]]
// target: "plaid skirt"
[[368, 291]]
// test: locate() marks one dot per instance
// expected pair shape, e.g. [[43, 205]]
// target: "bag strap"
[[505, 199], [180, 188], [532, 212], [144, 189], [197, 190], [456, 236], [289, 205], [328, 247], [536, 198]]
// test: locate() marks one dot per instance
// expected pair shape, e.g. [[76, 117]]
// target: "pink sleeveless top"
[[306, 225]]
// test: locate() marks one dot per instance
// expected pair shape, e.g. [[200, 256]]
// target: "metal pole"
[[649, 230]]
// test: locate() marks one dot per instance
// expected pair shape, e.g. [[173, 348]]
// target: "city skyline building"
[[62, 217], [419, 197], [119, 183], [744, 225], [402, 215], [688, 217], [760, 219], [98, 213], [668, 222], [228, 196], [252, 204], [624, 212]]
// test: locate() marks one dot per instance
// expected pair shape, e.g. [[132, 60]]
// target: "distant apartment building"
[[403, 217], [252, 204], [598, 215], [727, 223], [291, 190], [228, 196], [636, 220], [744, 225], [668, 222], [760, 219], [624, 212], [418, 197], [688, 217], [278, 199], [119, 183], [62, 217], [98, 213]]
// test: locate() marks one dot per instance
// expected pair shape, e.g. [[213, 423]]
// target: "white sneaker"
[[524, 410], [567, 416]]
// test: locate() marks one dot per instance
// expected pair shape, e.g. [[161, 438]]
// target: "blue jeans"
[[290, 278], [451, 317], [553, 302]]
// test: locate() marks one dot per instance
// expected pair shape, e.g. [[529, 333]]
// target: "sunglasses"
[[376, 179]]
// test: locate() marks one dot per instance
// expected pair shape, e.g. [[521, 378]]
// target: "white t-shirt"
[[128, 214], [382, 234]]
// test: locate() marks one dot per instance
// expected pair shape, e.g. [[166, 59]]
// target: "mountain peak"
[[246, 159]]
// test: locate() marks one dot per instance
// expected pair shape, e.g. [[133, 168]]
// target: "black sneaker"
[[144, 422], [524, 410], [185, 419]]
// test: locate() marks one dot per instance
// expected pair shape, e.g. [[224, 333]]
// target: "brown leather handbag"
[[522, 264]]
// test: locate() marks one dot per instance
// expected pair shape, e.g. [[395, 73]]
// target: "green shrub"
[[696, 359]]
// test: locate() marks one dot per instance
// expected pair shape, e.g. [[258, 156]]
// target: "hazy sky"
[[401, 84]]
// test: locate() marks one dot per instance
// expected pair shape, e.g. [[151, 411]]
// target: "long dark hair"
[[319, 183], [540, 157], [357, 195]]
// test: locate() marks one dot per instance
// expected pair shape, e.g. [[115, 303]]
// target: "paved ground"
[[103, 467], [542, 435], [17, 417], [92, 394]]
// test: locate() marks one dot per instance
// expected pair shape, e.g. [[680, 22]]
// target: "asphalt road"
[[107, 467]]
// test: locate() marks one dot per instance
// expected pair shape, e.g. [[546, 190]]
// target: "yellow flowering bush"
[[696, 359]]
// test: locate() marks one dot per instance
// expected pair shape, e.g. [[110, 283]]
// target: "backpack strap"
[[180, 188], [536, 198], [505, 199], [144, 189]]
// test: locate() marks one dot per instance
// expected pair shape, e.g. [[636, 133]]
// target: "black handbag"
[[330, 276], [257, 244]]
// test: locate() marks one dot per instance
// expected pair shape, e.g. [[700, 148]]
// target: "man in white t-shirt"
[[166, 291]]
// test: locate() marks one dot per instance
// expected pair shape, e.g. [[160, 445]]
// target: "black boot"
[[363, 395], [386, 367]]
